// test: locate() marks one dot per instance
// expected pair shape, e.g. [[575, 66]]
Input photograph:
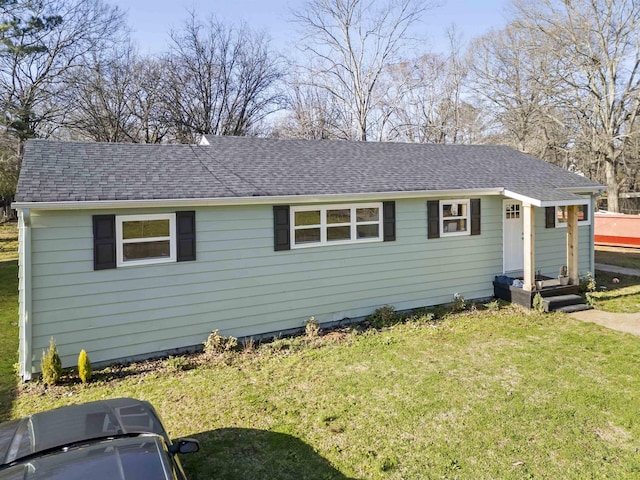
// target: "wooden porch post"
[[572, 244], [529, 246]]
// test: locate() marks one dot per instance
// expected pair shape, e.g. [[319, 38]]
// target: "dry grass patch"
[[8, 241]]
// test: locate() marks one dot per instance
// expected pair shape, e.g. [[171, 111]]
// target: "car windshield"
[[75, 423], [137, 458]]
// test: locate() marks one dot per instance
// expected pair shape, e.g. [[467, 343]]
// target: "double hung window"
[[144, 239], [335, 224], [454, 217]]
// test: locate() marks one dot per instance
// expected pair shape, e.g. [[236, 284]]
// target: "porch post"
[[529, 246], [572, 244]]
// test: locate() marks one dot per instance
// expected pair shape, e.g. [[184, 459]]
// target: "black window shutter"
[[433, 219], [281, 228], [186, 235], [475, 216], [389, 221], [550, 217], [104, 242]]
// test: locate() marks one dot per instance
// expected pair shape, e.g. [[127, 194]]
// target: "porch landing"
[[556, 297]]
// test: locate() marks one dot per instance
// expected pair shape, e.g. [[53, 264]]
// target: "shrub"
[[85, 369], [493, 306], [422, 316], [459, 303], [51, 365], [587, 283], [176, 364], [248, 345], [538, 303], [311, 327], [217, 344], [384, 317]]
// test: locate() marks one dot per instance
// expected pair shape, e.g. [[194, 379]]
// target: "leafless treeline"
[[560, 81]]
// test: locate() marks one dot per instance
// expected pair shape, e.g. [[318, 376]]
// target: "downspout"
[[24, 296], [592, 236]]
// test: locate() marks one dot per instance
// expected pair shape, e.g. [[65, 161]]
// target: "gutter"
[[25, 354], [268, 200]]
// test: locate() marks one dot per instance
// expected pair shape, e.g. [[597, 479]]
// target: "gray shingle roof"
[[249, 166]]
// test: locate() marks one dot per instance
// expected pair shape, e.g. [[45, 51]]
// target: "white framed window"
[[145, 239], [584, 215], [318, 225], [454, 217]]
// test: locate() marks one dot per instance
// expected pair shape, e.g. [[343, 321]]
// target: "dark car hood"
[[137, 458], [76, 423]]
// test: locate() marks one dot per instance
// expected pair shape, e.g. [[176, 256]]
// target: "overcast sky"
[[151, 20]]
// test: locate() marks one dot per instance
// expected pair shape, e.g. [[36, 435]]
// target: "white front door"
[[513, 237]]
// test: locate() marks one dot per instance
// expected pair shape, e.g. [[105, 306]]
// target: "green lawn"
[[8, 315], [623, 257], [503, 394], [506, 394]]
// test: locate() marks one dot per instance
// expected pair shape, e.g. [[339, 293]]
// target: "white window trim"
[[465, 201], [147, 261], [323, 224], [580, 222]]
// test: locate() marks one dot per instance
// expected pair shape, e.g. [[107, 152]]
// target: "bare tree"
[[312, 113], [597, 49], [219, 80], [352, 42], [431, 107], [513, 78], [118, 99], [9, 171], [48, 39]]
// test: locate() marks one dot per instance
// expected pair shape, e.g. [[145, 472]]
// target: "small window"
[[454, 217], [512, 211], [584, 218], [145, 239], [335, 224]]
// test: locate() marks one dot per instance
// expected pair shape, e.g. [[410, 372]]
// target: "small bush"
[[538, 303], [311, 328], [587, 283], [217, 344], [51, 365], [85, 369], [459, 303], [176, 364], [589, 299], [493, 306], [421, 316], [248, 345], [384, 317]]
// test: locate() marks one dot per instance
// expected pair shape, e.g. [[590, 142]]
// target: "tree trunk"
[[613, 191]]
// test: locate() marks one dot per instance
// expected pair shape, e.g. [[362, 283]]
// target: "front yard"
[[480, 394]]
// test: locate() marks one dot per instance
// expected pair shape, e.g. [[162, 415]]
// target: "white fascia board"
[[536, 202], [284, 199], [203, 141], [523, 198]]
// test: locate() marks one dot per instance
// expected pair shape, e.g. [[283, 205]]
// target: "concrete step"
[[559, 301], [579, 307]]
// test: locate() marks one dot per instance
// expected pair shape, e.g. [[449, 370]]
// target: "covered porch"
[[557, 294]]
